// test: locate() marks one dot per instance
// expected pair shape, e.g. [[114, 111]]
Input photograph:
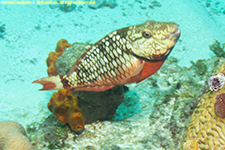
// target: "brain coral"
[[64, 105], [13, 137], [206, 130], [53, 56]]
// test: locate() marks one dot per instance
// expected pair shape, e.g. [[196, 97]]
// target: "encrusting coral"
[[13, 137], [207, 129], [53, 56], [64, 105]]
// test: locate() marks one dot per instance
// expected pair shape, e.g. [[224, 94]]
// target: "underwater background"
[[154, 114]]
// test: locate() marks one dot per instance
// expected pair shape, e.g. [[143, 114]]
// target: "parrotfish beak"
[[175, 34]]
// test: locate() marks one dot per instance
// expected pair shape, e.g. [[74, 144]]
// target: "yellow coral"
[[191, 144], [207, 128], [64, 105], [13, 137], [53, 56]]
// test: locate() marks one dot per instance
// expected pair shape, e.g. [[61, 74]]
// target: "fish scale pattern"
[[206, 130], [123, 56], [107, 62]]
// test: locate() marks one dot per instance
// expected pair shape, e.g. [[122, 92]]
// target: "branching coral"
[[64, 105], [13, 137], [53, 56]]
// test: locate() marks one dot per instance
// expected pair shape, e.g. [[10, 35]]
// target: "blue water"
[[29, 32]]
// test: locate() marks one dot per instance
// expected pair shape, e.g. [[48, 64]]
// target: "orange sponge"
[[53, 56], [64, 105]]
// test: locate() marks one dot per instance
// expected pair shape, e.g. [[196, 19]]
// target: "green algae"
[[218, 49], [200, 66]]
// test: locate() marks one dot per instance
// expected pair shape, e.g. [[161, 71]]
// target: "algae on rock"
[[218, 49]]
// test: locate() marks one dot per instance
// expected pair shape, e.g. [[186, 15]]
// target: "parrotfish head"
[[152, 41]]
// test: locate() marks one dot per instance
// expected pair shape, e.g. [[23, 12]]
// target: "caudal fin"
[[50, 83]]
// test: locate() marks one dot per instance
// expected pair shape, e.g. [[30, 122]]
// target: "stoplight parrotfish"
[[124, 56]]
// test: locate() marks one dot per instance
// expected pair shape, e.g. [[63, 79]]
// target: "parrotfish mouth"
[[161, 57], [175, 34]]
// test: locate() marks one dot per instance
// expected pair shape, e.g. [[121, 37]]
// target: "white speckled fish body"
[[124, 56]]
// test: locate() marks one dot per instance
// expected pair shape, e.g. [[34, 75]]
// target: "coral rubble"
[[13, 137], [64, 105], [53, 56], [49, 134], [206, 127]]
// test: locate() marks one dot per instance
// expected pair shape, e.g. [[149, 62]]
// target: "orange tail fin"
[[50, 83]]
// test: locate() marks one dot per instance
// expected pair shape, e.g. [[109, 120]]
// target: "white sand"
[[24, 49]]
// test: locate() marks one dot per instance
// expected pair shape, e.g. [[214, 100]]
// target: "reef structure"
[[92, 106], [206, 130], [95, 105], [13, 136], [63, 104]]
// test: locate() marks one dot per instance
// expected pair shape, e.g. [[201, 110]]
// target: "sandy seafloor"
[[32, 31]]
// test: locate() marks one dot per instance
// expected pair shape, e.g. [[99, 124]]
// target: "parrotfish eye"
[[146, 34]]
